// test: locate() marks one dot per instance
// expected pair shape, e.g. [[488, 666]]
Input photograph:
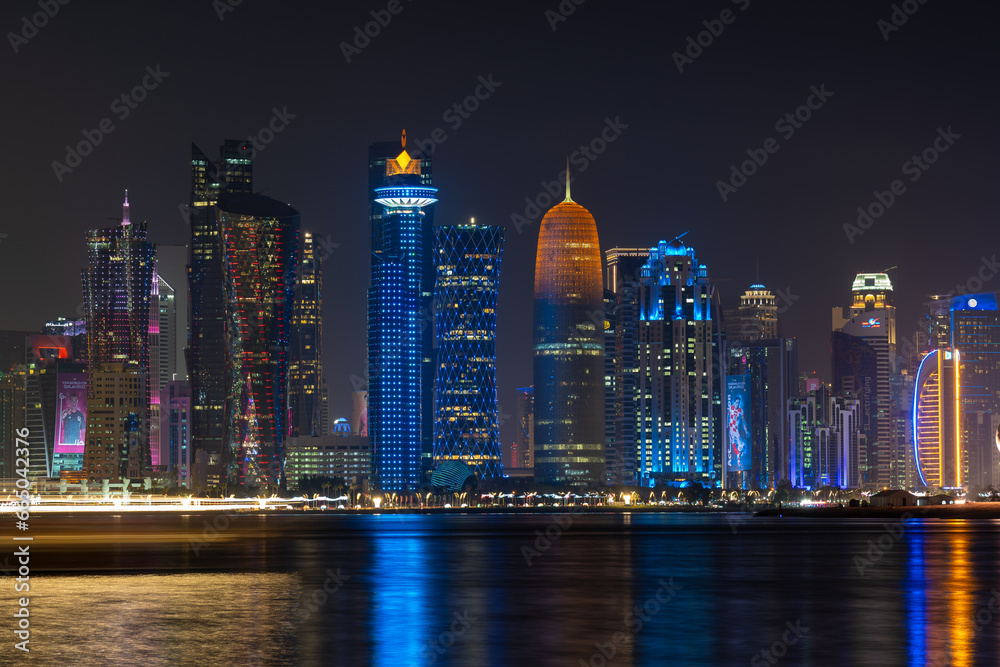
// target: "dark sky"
[[556, 88]]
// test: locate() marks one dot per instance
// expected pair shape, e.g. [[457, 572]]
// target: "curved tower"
[[568, 347]]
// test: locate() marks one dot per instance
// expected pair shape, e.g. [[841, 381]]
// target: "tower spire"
[[568, 198], [125, 221]]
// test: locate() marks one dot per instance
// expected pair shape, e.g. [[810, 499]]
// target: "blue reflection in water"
[[915, 593], [400, 592]]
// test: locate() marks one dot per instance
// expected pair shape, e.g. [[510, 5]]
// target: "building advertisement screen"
[[737, 409], [71, 413]]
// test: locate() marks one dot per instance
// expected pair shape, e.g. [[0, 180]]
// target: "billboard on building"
[[71, 413], [737, 409]]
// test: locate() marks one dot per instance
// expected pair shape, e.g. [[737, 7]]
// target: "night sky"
[[554, 92]]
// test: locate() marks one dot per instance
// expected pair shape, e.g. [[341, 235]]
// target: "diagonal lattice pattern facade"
[[466, 425]]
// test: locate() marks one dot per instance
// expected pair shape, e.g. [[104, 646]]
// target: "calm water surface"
[[646, 589]]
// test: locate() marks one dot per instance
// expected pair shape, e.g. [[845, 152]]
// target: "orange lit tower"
[[569, 347]]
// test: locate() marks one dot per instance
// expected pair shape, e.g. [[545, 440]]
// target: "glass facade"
[[569, 348], [208, 371], [677, 396], [399, 350], [466, 426], [260, 245]]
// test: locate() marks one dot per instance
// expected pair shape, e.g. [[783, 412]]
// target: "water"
[[459, 590]]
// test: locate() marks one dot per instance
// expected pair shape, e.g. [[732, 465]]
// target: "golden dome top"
[[568, 264]]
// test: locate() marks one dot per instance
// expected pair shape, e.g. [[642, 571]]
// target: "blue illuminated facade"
[[466, 426], [397, 316], [677, 397]]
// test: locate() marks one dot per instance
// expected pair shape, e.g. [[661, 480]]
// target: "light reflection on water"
[[457, 590]]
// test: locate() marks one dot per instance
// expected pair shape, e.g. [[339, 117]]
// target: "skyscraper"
[[677, 369], [260, 246], [757, 316], [466, 426], [398, 318], [624, 268], [569, 348], [118, 291], [975, 331], [207, 365], [307, 403], [937, 443], [864, 345], [825, 440], [523, 449], [418, 170], [770, 371]]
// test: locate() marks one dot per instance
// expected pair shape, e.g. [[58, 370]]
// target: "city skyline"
[[790, 214]]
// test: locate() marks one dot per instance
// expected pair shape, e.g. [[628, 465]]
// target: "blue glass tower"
[[396, 324], [677, 393], [466, 426]]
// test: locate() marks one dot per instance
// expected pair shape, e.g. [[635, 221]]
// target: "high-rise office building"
[[766, 373], [864, 345], [613, 455], [13, 382], [624, 268], [466, 425], [756, 318], [523, 449], [418, 170], [937, 442], [399, 313], [569, 348], [207, 353], [825, 441], [118, 285], [260, 246], [175, 430], [171, 270], [975, 335], [677, 369], [307, 402]]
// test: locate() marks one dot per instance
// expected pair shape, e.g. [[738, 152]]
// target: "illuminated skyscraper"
[[307, 403], [466, 426], [260, 246], [677, 369], [624, 268], [569, 348], [756, 318], [936, 421], [118, 291], [383, 155], [207, 358], [975, 334], [398, 318], [523, 449], [825, 441], [864, 345]]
